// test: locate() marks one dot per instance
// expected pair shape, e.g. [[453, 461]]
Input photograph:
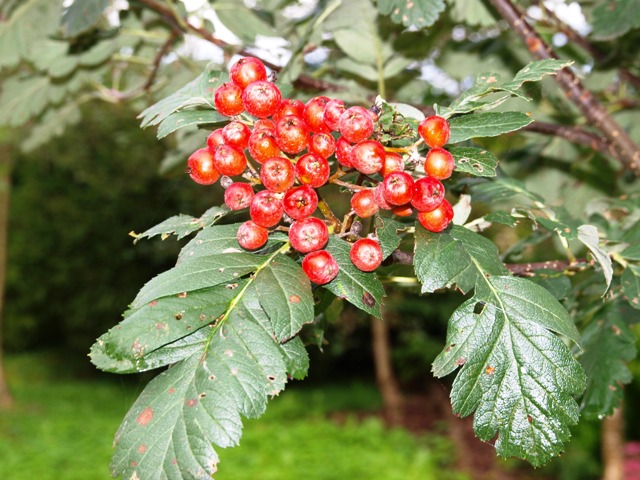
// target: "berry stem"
[[334, 223], [351, 186]]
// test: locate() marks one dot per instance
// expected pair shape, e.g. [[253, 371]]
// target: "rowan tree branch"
[[627, 152], [575, 135]]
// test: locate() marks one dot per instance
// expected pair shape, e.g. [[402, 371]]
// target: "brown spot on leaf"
[[271, 378], [178, 316], [191, 402], [490, 370], [134, 464], [202, 395], [145, 417], [171, 390], [529, 419], [368, 299], [182, 295], [159, 325], [153, 304], [142, 448], [294, 299], [234, 371], [612, 388], [616, 330], [174, 461], [461, 361]]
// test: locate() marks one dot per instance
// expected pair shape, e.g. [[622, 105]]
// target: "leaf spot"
[[160, 325], [294, 299], [212, 377], [145, 417], [477, 167], [174, 461], [221, 270], [478, 308], [368, 299], [153, 304], [228, 353], [529, 419], [134, 464], [232, 286], [182, 295], [178, 316], [271, 378], [191, 402], [461, 361], [142, 448], [171, 390], [202, 395], [234, 371], [490, 370], [612, 388], [616, 330]]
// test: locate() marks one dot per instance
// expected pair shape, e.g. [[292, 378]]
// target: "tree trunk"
[[612, 439], [392, 400], [6, 400]]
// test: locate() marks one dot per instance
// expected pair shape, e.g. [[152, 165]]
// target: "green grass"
[[62, 428]]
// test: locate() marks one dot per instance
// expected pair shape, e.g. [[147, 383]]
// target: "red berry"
[[201, 168], [291, 134], [333, 109], [393, 162], [277, 174], [366, 254], [263, 146], [289, 106], [264, 124], [228, 99], [322, 144], [308, 234], [214, 139], [356, 124], [320, 267], [434, 131], [378, 195], [266, 208], [343, 152], [229, 160], [428, 194], [252, 236], [247, 70], [300, 202], [313, 115], [398, 188], [261, 99], [238, 196], [402, 210], [439, 163], [313, 170], [368, 156], [438, 219], [364, 204], [236, 134]]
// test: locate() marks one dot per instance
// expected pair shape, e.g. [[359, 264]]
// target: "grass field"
[[62, 428]]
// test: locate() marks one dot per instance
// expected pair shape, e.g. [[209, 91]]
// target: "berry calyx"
[[261, 98], [308, 235], [289, 106], [364, 204], [439, 163], [247, 70], [238, 196], [437, 219], [251, 235], [398, 188], [201, 168], [434, 131], [312, 169], [292, 134], [428, 194], [366, 254], [300, 202], [277, 174], [320, 267]]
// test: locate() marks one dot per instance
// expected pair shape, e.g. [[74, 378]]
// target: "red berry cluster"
[[292, 146]]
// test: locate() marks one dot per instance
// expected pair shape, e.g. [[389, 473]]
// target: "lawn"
[[62, 428]]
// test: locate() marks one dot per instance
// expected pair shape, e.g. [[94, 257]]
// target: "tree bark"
[[392, 400], [6, 400], [612, 439]]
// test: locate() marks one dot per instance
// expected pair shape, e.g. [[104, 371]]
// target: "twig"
[[627, 152], [156, 61], [575, 135]]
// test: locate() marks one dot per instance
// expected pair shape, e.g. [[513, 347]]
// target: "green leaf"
[[387, 232], [471, 12], [187, 118], [81, 15], [516, 375], [631, 285], [632, 252], [31, 22], [183, 225], [242, 21], [354, 28], [362, 289], [476, 161], [486, 124], [588, 234], [608, 344], [534, 72], [457, 257], [503, 218], [614, 19], [504, 187], [418, 14], [196, 93]]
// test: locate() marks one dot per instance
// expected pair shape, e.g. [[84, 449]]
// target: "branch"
[[627, 152], [517, 269], [575, 135]]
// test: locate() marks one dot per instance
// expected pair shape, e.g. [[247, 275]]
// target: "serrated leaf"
[[242, 21], [516, 375], [471, 12], [588, 235], [631, 285], [486, 124], [196, 93], [608, 344], [408, 111], [476, 161], [504, 187], [387, 232], [81, 15], [534, 72], [410, 13], [362, 289], [503, 218], [614, 19], [457, 257], [223, 372], [354, 28], [187, 118], [183, 225], [632, 252]]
